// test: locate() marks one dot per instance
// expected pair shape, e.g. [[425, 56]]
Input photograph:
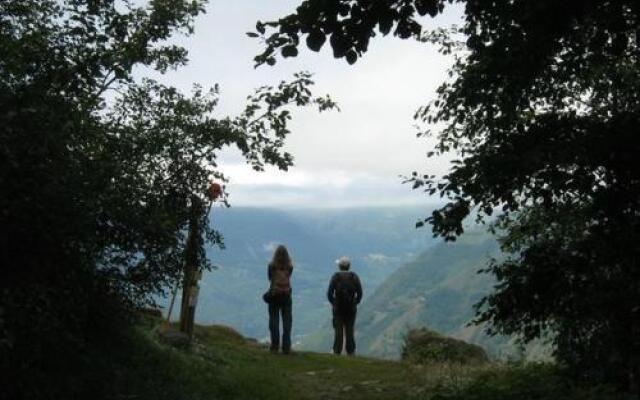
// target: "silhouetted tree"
[[96, 172], [542, 111]]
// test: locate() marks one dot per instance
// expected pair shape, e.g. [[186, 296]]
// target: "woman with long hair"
[[279, 299]]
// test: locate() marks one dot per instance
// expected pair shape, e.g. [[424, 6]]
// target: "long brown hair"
[[281, 257]]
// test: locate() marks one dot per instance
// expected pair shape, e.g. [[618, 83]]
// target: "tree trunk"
[[191, 268]]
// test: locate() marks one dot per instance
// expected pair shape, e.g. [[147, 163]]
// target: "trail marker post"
[[193, 252]]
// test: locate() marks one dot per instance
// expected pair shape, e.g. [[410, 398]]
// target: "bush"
[[423, 346]]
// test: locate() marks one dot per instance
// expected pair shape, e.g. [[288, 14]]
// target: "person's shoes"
[[287, 351], [273, 350]]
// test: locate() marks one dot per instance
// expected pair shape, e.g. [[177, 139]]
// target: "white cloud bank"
[[348, 158]]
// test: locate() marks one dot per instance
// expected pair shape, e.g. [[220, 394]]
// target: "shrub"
[[423, 346]]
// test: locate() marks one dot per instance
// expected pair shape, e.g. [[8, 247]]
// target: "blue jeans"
[[280, 306]]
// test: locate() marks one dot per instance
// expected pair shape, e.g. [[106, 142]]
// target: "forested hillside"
[[437, 289], [410, 279], [378, 240]]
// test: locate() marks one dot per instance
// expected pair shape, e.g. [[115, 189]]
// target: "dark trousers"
[[278, 307], [343, 323]]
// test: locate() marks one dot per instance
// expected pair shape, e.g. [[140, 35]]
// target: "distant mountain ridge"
[[410, 279], [378, 240]]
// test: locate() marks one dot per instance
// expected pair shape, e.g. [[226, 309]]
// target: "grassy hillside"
[[224, 365], [437, 290]]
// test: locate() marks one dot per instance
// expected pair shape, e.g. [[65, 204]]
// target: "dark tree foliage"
[[543, 113], [348, 24], [97, 170]]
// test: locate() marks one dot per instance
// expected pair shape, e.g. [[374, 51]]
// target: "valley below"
[[410, 279]]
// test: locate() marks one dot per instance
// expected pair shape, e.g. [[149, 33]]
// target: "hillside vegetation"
[[423, 346], [437, 289], [224, 365]]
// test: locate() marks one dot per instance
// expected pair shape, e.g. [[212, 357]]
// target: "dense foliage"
[[97, 172], [542, 112]]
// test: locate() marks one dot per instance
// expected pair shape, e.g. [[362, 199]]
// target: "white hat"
[[343, 262]]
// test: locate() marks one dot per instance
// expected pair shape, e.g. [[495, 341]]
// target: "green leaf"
[[316, 39], [351, 56], [289, 51]]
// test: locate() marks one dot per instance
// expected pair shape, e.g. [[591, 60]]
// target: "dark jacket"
[[331, 295]]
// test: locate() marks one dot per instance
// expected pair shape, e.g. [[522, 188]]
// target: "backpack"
[[345, 290], [280, 283]]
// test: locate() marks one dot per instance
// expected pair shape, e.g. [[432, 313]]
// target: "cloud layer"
[[347, 158]]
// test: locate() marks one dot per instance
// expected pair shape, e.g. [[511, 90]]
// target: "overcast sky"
[[349, 158]]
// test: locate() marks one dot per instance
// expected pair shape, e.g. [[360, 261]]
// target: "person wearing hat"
[[344, 294]]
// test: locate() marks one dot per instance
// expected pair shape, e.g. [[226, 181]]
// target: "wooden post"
[[191, 267]]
